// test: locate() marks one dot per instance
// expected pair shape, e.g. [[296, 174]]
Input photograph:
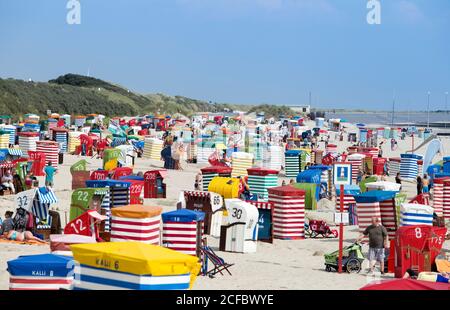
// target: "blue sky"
[[240, 51]]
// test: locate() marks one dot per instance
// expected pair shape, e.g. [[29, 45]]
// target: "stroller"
[[316, 228], [352, 258]]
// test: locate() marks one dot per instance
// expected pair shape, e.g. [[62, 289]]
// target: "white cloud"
[[314, 5], [270, 5], [409, 11]]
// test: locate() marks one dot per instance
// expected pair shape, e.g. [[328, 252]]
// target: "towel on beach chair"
[[27, 242]]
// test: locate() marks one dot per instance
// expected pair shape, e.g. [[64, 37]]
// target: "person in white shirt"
[[7, 181]]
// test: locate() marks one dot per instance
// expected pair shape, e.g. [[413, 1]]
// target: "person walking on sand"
[[393, 143], [386, 168], [177, 152], [378, 241], [380, 153], [49, 174], [425, 184], [419, 185], [398, 180]]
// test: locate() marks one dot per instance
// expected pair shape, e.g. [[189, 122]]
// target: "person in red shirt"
[[244, 188], [101, 146]]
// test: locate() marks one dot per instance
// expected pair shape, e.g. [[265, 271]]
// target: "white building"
[[306, 109]]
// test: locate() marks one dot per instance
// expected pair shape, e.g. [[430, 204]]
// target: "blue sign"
[[342, 174]]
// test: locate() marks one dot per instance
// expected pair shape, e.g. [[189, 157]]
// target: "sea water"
[[385, 118]]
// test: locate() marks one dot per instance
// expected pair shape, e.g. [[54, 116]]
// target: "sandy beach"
[[296, 264]]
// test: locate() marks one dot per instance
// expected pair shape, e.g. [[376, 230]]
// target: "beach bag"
[[20, 220], [56, 222]]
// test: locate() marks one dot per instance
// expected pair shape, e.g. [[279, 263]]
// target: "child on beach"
[[198, 182], [425, 183], [359, 176], [8, 223]]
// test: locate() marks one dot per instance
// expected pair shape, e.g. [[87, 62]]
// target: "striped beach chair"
[[42, 201], [219, 263]]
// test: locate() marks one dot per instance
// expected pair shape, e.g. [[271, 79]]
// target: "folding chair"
[[218, 262]]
